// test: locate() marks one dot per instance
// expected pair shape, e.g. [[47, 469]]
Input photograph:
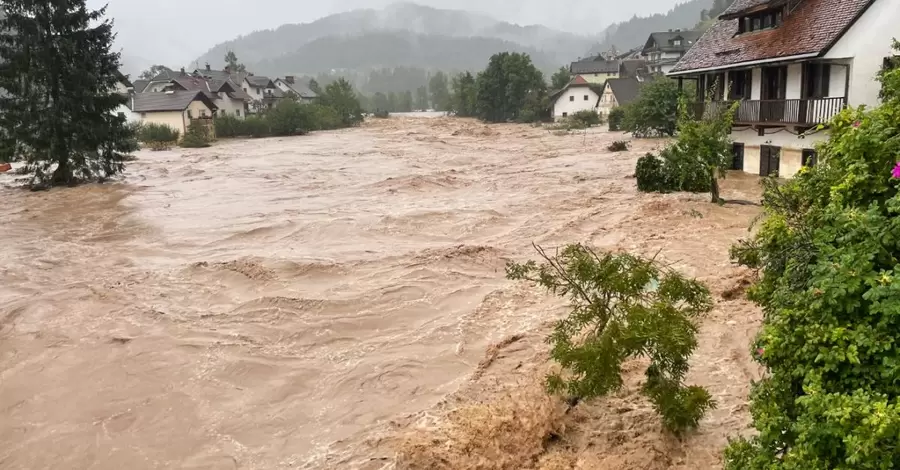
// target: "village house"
[[176, 109], [125, 88], [289, 84], [596, 70], [792, 65], [578, 95], [262, 91], [618, 92], [663, 50], [228, 97]]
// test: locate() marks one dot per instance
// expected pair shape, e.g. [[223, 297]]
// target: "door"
[[737, 163], [809, 158], [769, 160], [773, 94]]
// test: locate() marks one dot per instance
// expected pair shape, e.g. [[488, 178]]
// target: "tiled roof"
[[259, 81], [741, 5], [810, 29], [595, 65], [625, 89], [662, 40], [300, 89], [579, 82], [167, 101]]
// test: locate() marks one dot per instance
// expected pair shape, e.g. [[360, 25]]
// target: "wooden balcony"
[[809, 112]]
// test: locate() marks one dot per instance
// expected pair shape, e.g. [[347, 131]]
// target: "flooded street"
[[299, 302]]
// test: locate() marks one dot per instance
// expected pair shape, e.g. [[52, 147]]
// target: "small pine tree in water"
[[623, 307], [59, 77]]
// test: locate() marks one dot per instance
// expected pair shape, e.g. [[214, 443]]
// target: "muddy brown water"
[[289, 302]]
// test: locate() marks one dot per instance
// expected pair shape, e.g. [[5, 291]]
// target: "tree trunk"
[[714, 186]]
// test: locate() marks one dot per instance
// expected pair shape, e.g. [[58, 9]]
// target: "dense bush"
[[650, 175], [256, 126], [623, 307], [157, 135], [381, 114], [587, 117], [828, 255], [616, 117], [197, 136], [511, 88], [655, 111], [344, 102], [671, 171], [618, 146], [229, 126], [289, 117]]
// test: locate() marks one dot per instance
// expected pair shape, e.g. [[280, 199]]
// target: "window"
[[245, 89], [190, 115], [816, 80], [586, 97], [810, 158], [677, 42], [237, 112], [571, 98], [760, 21], [565, 114], [121, 115], [739, 84], [258, 92], [143, 115]]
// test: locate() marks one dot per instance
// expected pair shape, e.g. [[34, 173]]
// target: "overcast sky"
[[174, 32]]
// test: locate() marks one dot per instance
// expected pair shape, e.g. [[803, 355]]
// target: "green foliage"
[[59, 76], [651, 176], [289, 117], [229, 126], [343, 100], [560, 79], [153, 71], [152, 132], [509, 85], [655, 111], [672, 171], [828, 257], [464, 96], [196, 136], [422, 98], [440, 91], [616, 118], [618, 146], [256, 126], [381, 114], [324, 117], [231, 61], [623, 307], [587, 117]]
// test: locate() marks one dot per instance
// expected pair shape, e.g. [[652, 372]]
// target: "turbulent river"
[[300, 302]]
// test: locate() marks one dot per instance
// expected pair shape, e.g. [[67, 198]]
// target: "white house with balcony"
[[664, 49], [792, 65]]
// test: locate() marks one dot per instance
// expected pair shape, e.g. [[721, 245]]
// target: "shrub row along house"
[[178, 99], [793, 65]]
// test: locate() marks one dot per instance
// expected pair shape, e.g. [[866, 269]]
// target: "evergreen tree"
[[422, 98], [560, 79], [464, 95], [231, 61], [440, 91], [60, 79], [406, 102], [340, 97]]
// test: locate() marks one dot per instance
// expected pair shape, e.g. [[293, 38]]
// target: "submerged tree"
[[440, 91], [464, 95], [507, 85], [60, 77], [622, 307]]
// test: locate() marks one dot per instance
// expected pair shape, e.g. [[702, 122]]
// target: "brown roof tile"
[[811, 29]]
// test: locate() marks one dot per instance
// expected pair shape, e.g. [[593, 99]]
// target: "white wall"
[[790, 144], [599, 77], [756, 84], [173, 119], [837, 85], [868, 42], [794, 88], [564, 105], [230, 107]]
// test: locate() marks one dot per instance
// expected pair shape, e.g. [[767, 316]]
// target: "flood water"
[[276, 303]]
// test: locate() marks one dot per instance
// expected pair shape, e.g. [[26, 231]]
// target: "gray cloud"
[[174, 32]]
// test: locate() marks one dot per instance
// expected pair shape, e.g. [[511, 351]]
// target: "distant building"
[[618, 92], [289, 84], [175, 109], [664, 50], [579, 95], [595, 70]]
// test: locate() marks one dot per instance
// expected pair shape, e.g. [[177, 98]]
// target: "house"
[[792, 65], [262, 91], [175, 109], [663, 50], [579, 95], [289, 84], [596, 70], [618, 92], [228, 97], [125, 88]]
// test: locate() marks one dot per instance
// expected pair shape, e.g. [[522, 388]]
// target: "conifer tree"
[[58, 78]]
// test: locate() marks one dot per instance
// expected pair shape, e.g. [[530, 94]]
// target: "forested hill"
[[395, 49], [634, 32], [401, 34]]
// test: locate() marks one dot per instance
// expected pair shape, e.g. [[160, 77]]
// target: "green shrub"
[[152, 132], [324, 117], [672, 171], [587, 117], [623, 307], [230, 126], [256, 126], [381, 114], [655, 111], [197, 136], [289, 117], [618, 146], [650, 175], [616, 117], [828, 254]]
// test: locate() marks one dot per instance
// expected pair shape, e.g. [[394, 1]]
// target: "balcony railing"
[[809, 112]]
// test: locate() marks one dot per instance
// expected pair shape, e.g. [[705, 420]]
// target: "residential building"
[[618, 92], [289, 84], [663, 50], [792, 65], [175, 109], [262, 91], [596, 70], [125, 88], [579, 95], [230, 100]]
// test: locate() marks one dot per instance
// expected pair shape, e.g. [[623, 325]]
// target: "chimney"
[[207, 66], [289, 79], [182, 71]]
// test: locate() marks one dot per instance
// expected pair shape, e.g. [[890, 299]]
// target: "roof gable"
[[595, 65], [169, 101], [810, 29], [625, 90]]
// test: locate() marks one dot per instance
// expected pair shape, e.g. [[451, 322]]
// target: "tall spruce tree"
[[58, 77]]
